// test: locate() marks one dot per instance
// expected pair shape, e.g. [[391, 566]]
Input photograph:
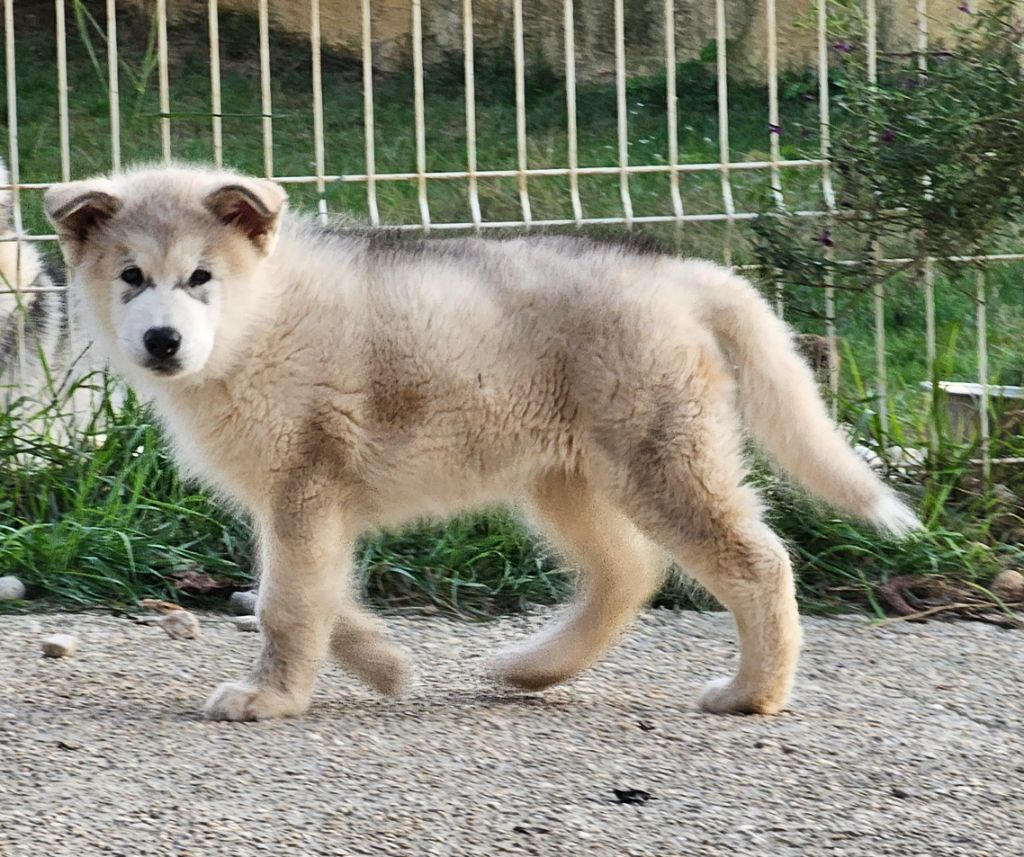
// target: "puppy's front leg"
[[299, 598]]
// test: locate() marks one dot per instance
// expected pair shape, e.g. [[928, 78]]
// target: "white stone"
[[243, 603], [60, 646], [1009, 585], [180, 624], [11, 589], [246, 623]]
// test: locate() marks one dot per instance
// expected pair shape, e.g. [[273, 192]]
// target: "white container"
[[963, 405]]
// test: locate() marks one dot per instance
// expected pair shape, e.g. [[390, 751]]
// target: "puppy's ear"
[[76, 209], [253, 206]]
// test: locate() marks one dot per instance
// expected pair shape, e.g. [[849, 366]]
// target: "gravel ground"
[[902, 740]]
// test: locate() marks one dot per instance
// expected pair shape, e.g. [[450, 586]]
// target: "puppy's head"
[[164, 262]]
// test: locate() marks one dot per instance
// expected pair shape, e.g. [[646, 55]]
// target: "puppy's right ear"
[[76, 209]]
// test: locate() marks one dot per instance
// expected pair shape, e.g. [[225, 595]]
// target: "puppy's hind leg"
[[748, 570], [684, 487], [619, 571]]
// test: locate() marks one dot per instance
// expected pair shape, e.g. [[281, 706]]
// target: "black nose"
[[161, 342]]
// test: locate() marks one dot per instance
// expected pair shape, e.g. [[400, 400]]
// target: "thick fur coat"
[[335, 381]]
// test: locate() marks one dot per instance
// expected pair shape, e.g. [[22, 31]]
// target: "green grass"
[[106, 520]]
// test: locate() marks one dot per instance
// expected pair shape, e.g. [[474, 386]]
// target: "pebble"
[[180, 624], [11, 589], [60, 646], [243, 603], [247, 623], [1009, 585]]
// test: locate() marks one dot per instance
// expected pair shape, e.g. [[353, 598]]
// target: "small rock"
[[246, 623], [901, 793], [11, 589], [69, 744], [1004, 496], [60, 646], [180, 624], [243, 603], [160, 606], [1009, 585]]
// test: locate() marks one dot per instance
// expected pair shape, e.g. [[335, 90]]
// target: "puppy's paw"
[[387, 669], [723, 696], [384, 666], [242, 702], [528, 670]]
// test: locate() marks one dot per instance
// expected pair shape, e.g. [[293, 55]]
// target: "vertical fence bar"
[[62, 91], [165, 87], [981, 320], [318, 106], [470, 84], [981, 302], [13, 161], [723, 127], [368, 122], [418, 104], [569, 25], [876, 252], [672, 111], [267, 106], [113, 90], [829, 198], [215, 105], [622, 113], [14, 174], [521, 152], [774, 128], [927, 266]]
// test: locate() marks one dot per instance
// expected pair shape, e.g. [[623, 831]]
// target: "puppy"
[[46, 366], [333, 381], [32, 314]]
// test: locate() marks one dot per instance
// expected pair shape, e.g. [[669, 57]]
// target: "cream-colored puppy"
[[334, 381]]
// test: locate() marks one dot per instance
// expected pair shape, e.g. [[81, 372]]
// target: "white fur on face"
[[166, 300], [167, 305]]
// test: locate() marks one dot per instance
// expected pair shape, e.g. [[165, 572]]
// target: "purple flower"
[[826, 239], [963, 7], [775, 129], [843, 47], [888, 135]]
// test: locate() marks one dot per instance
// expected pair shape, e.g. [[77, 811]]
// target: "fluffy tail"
[[782, 405]]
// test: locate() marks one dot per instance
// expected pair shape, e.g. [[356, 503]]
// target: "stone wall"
[[340, 23]]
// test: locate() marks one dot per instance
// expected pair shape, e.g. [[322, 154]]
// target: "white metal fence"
[[367, 175]]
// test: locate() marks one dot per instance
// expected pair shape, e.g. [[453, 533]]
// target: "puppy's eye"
[[132, 276], [199, 276]]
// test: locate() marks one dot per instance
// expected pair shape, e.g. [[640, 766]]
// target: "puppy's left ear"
[[253, 206], [77, 210]]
